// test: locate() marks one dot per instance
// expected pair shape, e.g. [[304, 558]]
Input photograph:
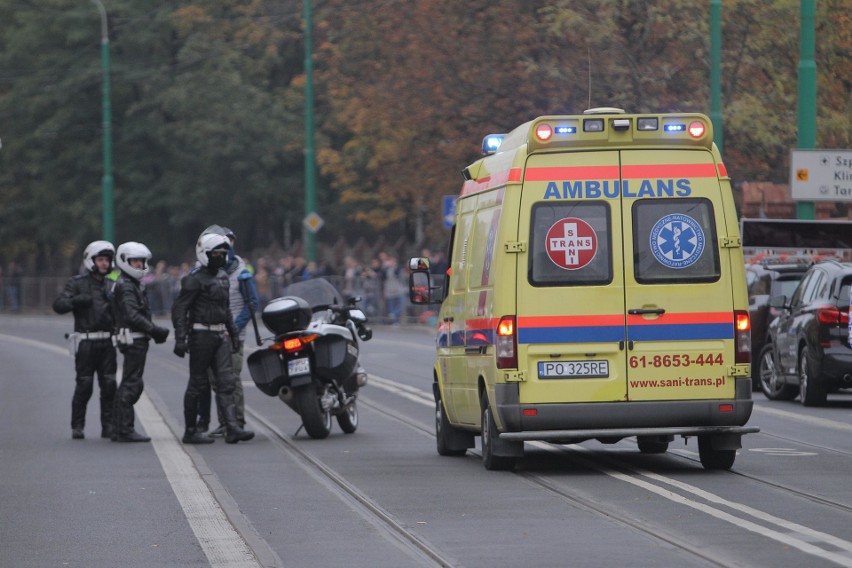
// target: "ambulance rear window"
[[674, 240], [570, 244]]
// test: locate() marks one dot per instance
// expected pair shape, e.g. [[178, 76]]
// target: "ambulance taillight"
[[507, 343], [742, 336]]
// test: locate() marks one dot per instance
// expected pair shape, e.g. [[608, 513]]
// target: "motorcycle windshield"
[[317, 292]]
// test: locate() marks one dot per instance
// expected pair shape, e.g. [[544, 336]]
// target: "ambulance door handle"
[[642, 311]]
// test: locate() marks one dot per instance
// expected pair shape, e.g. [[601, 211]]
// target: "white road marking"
[[792, 534], [812, 420], [222, 544], [220, 541]]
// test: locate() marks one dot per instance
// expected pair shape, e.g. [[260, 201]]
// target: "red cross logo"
[[571, 243]]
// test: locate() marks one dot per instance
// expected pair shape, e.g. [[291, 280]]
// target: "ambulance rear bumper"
[[573, 436], [600, 419]]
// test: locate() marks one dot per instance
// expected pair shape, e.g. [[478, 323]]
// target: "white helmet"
[[206, 243], [127, 251], [97, 248]]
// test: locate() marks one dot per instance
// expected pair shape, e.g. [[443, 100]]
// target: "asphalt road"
[[382, 497]]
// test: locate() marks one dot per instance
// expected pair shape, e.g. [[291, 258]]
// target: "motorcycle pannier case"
[[267, 371], [286, 314]]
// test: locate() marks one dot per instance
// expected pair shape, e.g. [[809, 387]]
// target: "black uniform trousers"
[[208, 350], [93, 356], [131, 385]]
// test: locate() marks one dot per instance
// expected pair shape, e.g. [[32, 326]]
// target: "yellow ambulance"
[[596, 290]]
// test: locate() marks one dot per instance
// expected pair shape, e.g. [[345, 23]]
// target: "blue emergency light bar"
[[566, 129], [491, 143], [674, 127]]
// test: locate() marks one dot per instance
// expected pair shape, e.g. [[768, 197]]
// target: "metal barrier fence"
[[35, 295]]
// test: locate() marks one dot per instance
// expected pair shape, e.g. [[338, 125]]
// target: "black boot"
[[133, 436], [193, 436], [107, 430], [233, 432]]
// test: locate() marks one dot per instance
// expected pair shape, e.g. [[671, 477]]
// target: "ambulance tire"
[[712, 458], [771, 382], [651, 446], [451, 441], [811, 393], [492, 445]]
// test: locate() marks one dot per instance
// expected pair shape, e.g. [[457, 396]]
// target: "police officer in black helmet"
[[87, 295], [205, 328]]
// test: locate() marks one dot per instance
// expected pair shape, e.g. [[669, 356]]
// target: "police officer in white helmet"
[[87, 295], [134, 330]]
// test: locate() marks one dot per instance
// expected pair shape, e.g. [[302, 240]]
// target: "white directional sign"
[[821, 175]]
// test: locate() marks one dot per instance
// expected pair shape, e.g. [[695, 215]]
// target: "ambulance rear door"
[[570, 297], [677, 277]]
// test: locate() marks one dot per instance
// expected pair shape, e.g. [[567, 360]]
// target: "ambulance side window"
[[570, 244], [674, 240]]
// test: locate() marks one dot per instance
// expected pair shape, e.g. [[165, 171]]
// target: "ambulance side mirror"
[[419, 281]]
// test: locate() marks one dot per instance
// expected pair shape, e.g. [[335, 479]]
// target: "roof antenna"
[[590, 78]]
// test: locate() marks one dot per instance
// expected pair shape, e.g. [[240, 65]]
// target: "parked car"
[[808, 352], [770, 276]]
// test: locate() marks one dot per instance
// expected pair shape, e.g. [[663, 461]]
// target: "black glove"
[[235, 344], [180, 348], [159, 334], [81, 300]]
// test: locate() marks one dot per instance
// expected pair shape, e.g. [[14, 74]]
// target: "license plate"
[[297, 367], [570, 369]]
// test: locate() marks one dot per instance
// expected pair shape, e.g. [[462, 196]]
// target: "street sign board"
[[449, 211], [821, 175]]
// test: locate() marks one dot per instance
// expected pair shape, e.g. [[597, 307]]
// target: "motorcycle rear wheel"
[[316, 420], [348, 419]]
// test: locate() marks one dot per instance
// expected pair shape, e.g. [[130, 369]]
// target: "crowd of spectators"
[[380, 281]]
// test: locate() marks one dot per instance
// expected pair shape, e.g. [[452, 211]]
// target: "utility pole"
[[106, 182], [807, 94], [310, 150], [716, 71]]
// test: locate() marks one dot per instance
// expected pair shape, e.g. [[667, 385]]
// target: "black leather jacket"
[[94, 315], [203, 298], [130, 303]]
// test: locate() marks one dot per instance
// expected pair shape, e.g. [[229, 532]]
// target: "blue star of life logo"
[[677, 241]]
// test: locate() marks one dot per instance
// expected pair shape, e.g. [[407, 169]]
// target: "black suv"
[[770, 276], [808, 351]]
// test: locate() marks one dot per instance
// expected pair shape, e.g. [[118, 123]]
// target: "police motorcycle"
[[312, 362]]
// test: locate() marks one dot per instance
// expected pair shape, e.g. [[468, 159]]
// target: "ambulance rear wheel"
[[712, 458], [490, 439]]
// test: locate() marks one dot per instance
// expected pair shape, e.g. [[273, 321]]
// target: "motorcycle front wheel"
[[316, 420], [348, 419]]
